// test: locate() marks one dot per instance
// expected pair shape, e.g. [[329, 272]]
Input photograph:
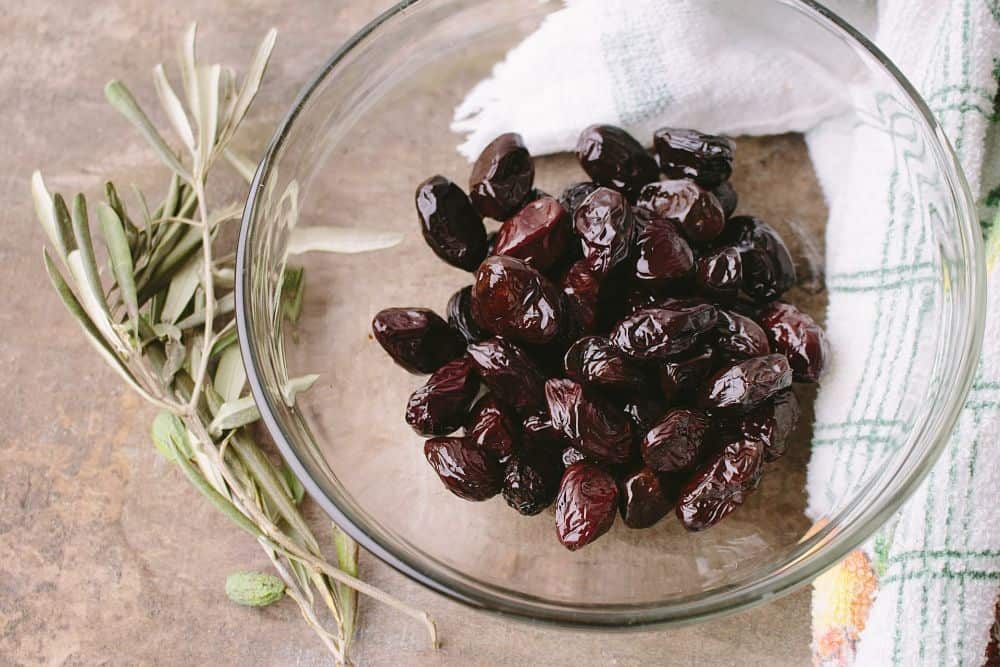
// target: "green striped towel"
[[924, 590]]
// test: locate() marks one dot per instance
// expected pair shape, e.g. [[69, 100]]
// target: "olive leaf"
[[121, 99], [294, 486], [255, 75], [181, 291], [121, 260], [147, 316], [230, 375], [46, 214], [173, 107]]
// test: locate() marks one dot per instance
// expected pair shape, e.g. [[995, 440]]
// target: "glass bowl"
[[372, 124]]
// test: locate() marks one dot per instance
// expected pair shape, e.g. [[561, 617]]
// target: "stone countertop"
[[109, 556]]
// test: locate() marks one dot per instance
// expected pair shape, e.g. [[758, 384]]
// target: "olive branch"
[[160, 313]]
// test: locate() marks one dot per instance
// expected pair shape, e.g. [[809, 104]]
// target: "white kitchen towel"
[[924, 590]]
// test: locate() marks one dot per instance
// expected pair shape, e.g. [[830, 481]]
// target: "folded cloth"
[[924, 590]]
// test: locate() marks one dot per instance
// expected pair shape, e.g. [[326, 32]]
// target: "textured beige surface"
[[108, 557]]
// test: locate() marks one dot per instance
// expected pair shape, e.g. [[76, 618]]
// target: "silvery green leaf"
[[224, 342], [92, 302], [173, 107], [166, 330], [208, 110], [211, 473], [175, 355], [251, 84], [212, 398], [224, 278], [169, 436], [340, 239], [296, 386], [45, 212], [233, 414], [64, 223], [147, 217], [159, 276], [195, 345], [121, 99], [230, 376], [240, 163], [295, 488], [121, 260], [223, 306], [85, 246], [189, 69], [228, 100], [91, 332], [169, 205], [156, 307], [347, 560], [165, 238], [116, 203], [181, 289]]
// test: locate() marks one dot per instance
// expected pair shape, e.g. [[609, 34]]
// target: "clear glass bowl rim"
[[821, 550]]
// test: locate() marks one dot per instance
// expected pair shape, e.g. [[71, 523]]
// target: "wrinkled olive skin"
[[450, 225], [416, 338], [511, 299], [613, 158], [502, 177], [586, 505], [704, 158]]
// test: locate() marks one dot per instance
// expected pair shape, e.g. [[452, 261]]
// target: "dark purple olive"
[[721, 485], [573, 195], [798, 337], [492, 428], [539, 234], [720, 275], [680, 378], [746, 384], [727, 196], [441, 405], [675, 442], [705, 158], [594, 361], [664, 255], [450, 225], [511, 299], [739, 337], [502, 177], [605, 223], [768, 270], [643, 499], [773, 423], [581, 289], [417, 338], [464, 469], [507, 371], [586, 505], [460, 316], [653, 333], [612, 157], [531, 483], [696, 210], [592, 425]]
